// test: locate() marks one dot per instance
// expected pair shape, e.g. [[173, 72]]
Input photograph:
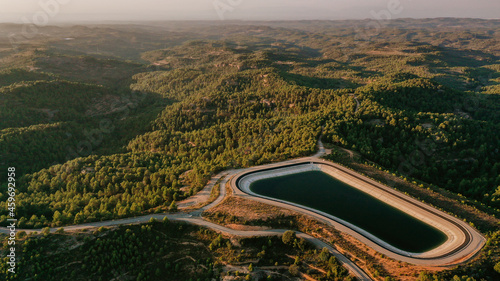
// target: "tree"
[[294, 270], [79, 218], [497, 267], [173, 207], [46, 231], [463, 278], [301, 244], [424, 276], [325, 254], [57, 217], [21, 234], [289, 237]]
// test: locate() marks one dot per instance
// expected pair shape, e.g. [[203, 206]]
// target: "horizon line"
[[251, 20]]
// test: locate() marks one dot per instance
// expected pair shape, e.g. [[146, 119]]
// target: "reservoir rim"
[[425, 208]]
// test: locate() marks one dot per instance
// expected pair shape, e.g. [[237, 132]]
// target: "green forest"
[[177, 251], [125, 131]]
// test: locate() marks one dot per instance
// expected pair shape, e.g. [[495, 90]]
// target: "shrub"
[[294, 270], [289, 237]]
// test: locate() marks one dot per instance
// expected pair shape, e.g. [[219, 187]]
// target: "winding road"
[[358, 105], [230, 179], [194, 217]]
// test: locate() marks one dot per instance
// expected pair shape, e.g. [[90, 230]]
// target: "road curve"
[[463, 241], [472, 244], [194, 217], [348, 264]]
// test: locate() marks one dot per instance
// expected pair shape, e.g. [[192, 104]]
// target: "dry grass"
[[244, 214], [247, 210]]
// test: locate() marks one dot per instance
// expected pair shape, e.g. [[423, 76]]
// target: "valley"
[[132, 121]]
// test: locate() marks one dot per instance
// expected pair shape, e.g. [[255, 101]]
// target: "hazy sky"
[[81, 10]]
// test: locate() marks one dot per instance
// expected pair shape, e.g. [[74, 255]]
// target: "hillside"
[[141, 116]]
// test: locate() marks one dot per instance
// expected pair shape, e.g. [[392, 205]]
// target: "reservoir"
[[320, 191]]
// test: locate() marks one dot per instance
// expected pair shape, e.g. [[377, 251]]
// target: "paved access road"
[[473, 241], [194, 217]]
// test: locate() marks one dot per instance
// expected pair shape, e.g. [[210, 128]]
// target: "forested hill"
[[114, 128]]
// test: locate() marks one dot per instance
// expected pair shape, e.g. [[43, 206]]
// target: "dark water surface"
[[322, 192]]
